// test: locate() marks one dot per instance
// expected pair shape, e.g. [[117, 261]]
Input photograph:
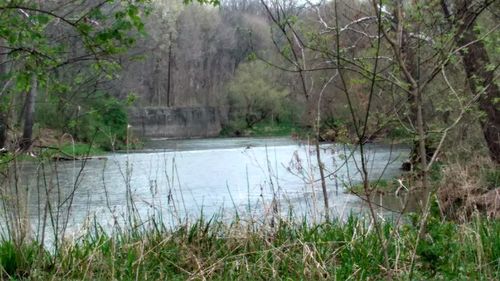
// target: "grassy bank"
[[238, 251], [381, 186], [65, 151], [73, 150], [263, 129]]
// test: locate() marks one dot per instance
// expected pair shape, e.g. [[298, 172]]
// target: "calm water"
[[186, 178]]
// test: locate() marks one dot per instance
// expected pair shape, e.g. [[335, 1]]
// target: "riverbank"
[[263, 129], [210, 249]]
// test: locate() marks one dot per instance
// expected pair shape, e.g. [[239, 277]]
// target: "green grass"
[[382, 186], [69, 150], [81, 149], [214, 250], [274, 129]]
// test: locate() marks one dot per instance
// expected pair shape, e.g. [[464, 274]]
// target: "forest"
[[80, 80]]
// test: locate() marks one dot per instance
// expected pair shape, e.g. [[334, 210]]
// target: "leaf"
[[23, 81], [84, 28]]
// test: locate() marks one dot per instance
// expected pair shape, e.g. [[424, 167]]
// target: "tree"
[[253, 95], [191, 52], [40, 39], [479, 69]]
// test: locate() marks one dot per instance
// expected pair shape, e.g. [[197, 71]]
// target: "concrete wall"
[[175, 122]]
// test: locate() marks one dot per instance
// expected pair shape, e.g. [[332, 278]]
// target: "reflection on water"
[[186, 178]]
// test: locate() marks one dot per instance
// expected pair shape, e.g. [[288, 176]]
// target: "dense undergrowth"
[[102, 121], [263, 129], [288, 251]]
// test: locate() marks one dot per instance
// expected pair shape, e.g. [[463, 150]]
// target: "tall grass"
[[215, 250]]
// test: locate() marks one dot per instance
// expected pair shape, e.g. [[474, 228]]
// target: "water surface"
[[186, 178]]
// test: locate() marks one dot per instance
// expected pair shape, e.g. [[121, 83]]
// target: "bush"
[[104, 124], [254, 97], [101, 119]]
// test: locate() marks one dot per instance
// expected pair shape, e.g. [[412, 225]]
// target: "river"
[[176, 180]]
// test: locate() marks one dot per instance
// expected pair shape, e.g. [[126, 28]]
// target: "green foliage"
[[28, 34], [17, 260], [446, 248], [208, 2], [436, 171], [381, 186], [334, 129], [490, 36], [262, 129], [66, 50], [492, 178], [254, 98], [99, 119], [74, 150], [104, 124], [436, 243]]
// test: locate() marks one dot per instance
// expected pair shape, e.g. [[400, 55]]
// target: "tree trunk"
[[157, 82], [27, 138], [169, 74], [414, 102], [3, 111], [416, 115], [422, 146], [476, 61]]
